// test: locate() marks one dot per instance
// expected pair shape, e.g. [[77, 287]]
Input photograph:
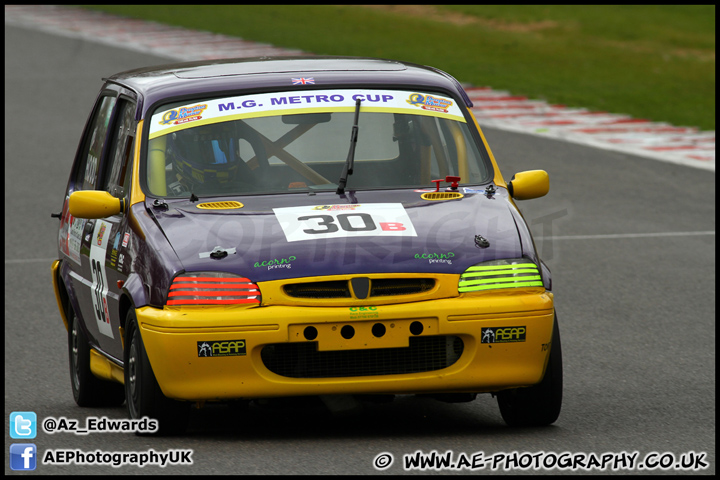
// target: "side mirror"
[[94, 204], [530, 184]]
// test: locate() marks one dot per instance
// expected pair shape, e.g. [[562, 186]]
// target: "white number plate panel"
[[337, 221]]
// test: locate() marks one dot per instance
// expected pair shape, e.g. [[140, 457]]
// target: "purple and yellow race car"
[[280, 227]]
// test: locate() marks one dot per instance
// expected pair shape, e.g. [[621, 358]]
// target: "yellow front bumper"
[[173, 339]]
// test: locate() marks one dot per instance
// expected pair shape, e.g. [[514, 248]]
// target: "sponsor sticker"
[[183, 115], [363, 313], [103, 227], [221, 348], [338, 221], [430, 102], [74, 238], [436, 257], [294, 102], [502, 334], [276, 263], [114, 252]]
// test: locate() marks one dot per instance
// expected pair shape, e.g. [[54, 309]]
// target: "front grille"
[[384, 287], [381, 287], [336, 289], [303, 360]]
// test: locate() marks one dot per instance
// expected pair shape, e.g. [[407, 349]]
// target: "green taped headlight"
[[510, 273]]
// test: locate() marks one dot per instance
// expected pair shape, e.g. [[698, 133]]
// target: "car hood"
[[299, 235]]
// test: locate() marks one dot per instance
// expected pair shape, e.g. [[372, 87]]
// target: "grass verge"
[[649, 61]]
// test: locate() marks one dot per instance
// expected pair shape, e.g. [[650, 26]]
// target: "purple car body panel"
[[442, 228]]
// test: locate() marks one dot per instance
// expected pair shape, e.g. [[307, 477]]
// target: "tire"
[[142, 393], [88, 390], [540, 404]]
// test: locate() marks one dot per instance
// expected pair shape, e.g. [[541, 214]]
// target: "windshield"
[[294, 142]]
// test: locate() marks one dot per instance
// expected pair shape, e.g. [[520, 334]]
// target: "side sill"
[[103, 368]]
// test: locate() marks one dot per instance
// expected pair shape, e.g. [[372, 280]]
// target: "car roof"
[[174, 81]]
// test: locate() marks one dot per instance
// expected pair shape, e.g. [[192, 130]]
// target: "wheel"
[[88, 390], [142, 392], [540, 404]]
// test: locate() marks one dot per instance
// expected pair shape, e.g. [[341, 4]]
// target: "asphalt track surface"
[[630, 241]]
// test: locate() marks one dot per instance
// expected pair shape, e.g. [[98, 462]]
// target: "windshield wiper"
[[349, 163]]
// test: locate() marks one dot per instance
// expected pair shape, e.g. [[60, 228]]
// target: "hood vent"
[[219, 205], [441, 195]]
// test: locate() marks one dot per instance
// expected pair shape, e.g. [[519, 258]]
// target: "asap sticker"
[[502, 334], [221, 348], [336, 221]]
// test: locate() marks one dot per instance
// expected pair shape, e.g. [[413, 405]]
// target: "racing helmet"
[[206, 156]]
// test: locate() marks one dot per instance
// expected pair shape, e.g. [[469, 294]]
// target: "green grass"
[[650, 61]]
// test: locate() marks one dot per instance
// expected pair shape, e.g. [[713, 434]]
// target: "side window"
[[93, 145], [121, 149]]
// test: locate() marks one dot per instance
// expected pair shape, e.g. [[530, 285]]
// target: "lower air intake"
[[303, 360]]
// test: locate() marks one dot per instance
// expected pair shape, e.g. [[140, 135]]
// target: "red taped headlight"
[[212, 288]]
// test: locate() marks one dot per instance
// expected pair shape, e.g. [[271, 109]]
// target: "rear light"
[[212, 288]]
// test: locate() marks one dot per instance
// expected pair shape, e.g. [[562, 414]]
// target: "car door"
[[76, 233], [94, 245], [110, 246]]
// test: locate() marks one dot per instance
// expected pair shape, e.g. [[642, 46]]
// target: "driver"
[[204, 159]]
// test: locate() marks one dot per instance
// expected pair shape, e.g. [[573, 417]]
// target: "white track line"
[[660, 141], [625, 235]]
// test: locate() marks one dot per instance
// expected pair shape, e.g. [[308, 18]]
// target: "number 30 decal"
[[344, 220], [98, 288], [98, 249], [336, 221]]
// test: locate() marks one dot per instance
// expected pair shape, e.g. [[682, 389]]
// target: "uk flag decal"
[[303, 81]]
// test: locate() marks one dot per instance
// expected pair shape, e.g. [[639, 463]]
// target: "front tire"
[[540, 404], [142, 392], [88, 390]]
